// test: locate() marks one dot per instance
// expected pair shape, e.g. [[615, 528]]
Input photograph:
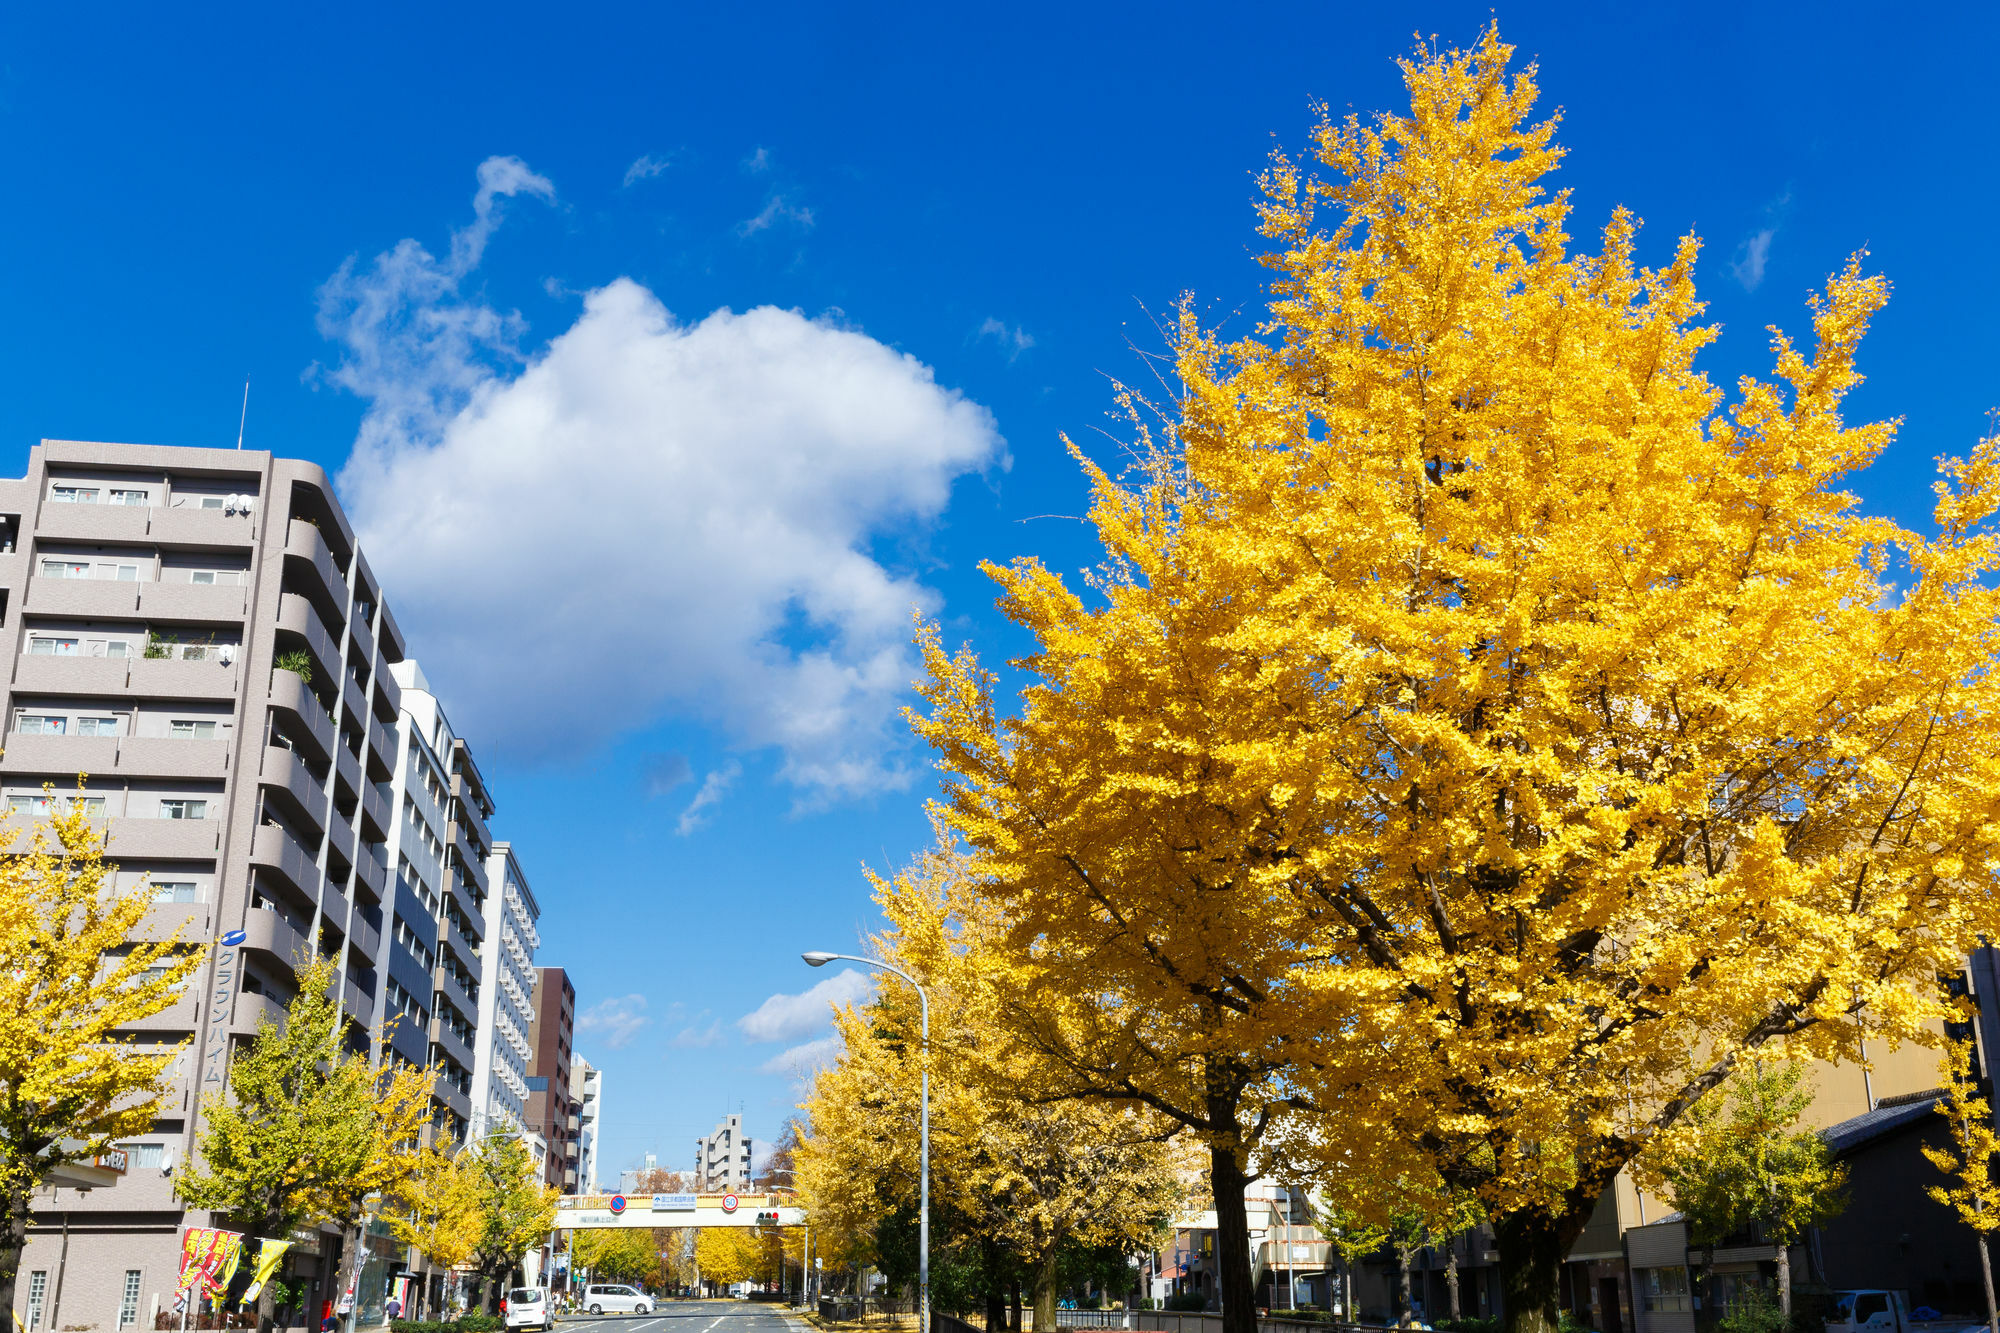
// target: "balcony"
[[253, 1011], [163, 839], [270, 933], [306, 549], [93, 523], [461, 999], [65, 755], [347, 766], [466, 811], [171, 757], [358, 1004], [388, 699], [84, 599], [202, 603], [451, 1095], [298, 705], [183, 1015], [447, 1039], [191, 526], [462, 948], [303, 797], [172, 678], [374, 812], [408, 1039], [371, 867], [364, 938], [275, 852], [394, 648], [35, 674], [333, 905], [163, 919], [464, 900], [296, 615], [339, 838], [381, 754], [353, 705]]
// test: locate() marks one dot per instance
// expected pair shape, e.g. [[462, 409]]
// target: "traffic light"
[[768, 1218]]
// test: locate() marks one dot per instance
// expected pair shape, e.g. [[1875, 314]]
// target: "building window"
[[75, 495], [41, 724], [128, 1302], [65, 569], [196, 730], [146, 1156], [128, 497], [176, 891], [211, 502], [1664, 1288], [183, 808], [38, 1287], [97, 726], [52, 647]]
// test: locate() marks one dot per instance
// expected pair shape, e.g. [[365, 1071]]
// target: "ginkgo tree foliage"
[[1482, 732], [307, 1127], [75, 971], [1020, 1182]]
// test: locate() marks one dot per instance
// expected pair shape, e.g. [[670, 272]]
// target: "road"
[[690, 1317]]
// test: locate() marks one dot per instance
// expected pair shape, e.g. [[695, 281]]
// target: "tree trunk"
[[1014, 1306], [1985, 1271], [1403, 1306], [996, 1289], [1232, 1241], [1451, 1277], [1045, 1294], [1531, 1254], [1784, 1279], [14, 1239]]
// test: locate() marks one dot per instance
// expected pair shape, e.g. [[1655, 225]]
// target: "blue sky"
[[659, 559]]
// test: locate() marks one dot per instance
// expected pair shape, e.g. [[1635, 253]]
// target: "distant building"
[[502, 1053], [722, 1159], [588, 1080], [552, 1112]]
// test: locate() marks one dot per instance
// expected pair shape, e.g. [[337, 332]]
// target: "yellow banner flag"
[[269, 1254]]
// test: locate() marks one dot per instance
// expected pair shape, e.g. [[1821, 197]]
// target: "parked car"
[[617, 1300], [1880, 1311], [528, 1307]]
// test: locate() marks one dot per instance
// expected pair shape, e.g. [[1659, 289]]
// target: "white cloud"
[[1013, 341], [647, 516], [694, 1034], [1751, 257], [712, 788], [804, 1058], [619, 1019], [776, 209], [758, 162], [645, 168], [783, 1017]]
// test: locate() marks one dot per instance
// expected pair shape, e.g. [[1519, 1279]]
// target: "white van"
[[616, 1300], [528, 1307]]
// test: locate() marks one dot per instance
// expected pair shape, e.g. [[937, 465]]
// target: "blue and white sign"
[[233, 938], [675, 1203]]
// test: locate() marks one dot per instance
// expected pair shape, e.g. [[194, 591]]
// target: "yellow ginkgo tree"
[[75, 971], [1973, 1193], [1480, 735]]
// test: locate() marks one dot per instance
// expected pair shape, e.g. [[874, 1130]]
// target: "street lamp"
[[818, 958]]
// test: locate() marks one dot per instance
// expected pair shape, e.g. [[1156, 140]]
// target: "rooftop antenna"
[[243, 419]]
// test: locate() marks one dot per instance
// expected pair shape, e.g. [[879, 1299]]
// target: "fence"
[[867, 1310]]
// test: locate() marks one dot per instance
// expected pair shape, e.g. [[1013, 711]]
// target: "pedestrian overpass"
[[575, 1212]]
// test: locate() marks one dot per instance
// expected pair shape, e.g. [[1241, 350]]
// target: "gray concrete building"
[[722, 1158], [199, 632]]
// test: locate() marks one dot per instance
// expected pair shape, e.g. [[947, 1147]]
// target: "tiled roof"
[[1848, 1135]]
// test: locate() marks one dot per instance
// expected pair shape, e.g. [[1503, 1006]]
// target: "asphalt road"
[[690, 1317]]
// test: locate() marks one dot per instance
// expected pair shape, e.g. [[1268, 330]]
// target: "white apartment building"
[[439, 806], [722, 1159], [501, 1052], [588, 1082]]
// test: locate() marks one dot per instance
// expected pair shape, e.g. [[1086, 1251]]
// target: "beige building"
[[722, 1158], [199, 632]]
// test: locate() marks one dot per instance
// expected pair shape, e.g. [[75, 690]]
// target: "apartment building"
[[588, 1080], [501, 1053], [552, 1110], [199, 632], [432, 985], [722, 1158]]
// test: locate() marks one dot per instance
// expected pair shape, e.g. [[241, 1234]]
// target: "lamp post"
[[820, 959]]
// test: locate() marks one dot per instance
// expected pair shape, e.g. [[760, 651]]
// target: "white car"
[[617, 1300], [528, 1307]]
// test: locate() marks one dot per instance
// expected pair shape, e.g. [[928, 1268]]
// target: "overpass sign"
[[580, 1211]]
